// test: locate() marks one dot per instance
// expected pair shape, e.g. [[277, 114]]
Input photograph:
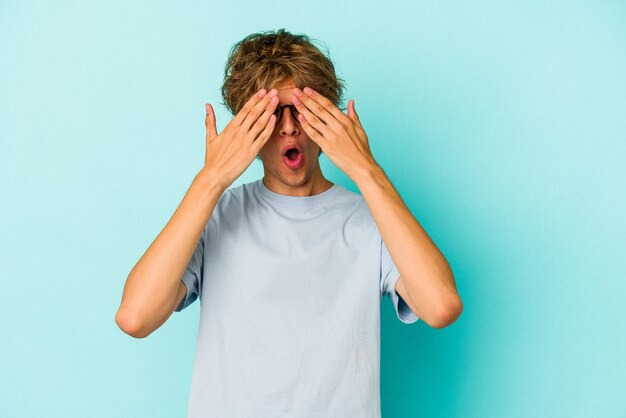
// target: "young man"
[[290, 269]]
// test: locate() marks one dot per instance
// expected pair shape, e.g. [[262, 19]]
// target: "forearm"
[[151, 287], [425, 272]]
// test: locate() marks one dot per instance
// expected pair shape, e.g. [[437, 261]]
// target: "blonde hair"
[[266, 59]]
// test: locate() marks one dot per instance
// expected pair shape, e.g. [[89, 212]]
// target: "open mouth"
[[293, 158], [292, 154]]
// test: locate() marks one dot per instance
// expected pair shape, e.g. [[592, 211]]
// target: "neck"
[[315, 184]]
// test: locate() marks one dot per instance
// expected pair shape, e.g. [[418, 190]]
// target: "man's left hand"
[[342, 138]]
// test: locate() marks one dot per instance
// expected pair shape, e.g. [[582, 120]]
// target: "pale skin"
[[154, 288], [305, 181]]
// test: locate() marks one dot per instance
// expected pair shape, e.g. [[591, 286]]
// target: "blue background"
[[502, 125]]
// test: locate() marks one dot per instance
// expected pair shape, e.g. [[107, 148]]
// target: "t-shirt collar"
[[281, 199]]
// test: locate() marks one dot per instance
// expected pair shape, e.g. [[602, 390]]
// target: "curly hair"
[[266, 59]]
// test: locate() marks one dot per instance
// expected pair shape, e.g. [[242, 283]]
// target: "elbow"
[[130, 325], [447, 314]]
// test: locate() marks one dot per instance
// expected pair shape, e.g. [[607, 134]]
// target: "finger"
[[318, 110], [265, 134], [261, 123], [312, 118], [258, 109], [311, 96], [313, 133], [352, 113], [354, 117], [241, 115], [209, 122]]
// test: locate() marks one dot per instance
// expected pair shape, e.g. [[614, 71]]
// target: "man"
[[290, 269]]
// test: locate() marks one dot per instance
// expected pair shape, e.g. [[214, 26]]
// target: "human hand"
[[232, 151], [342, 138]]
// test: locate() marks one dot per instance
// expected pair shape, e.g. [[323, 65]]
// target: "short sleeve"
[[389, 275], [193, 275]]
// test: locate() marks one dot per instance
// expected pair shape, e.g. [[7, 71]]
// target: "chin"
[[295, 179]]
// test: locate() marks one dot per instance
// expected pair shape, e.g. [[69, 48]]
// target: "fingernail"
[[273, 92], [297, 92], [262, 92], [308, 91]]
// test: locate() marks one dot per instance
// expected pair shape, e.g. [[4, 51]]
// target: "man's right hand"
[[154, 286], [233, 150]]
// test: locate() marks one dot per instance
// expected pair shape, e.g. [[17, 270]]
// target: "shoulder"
[[235, 195], [348, 197], [355, 207], [230, 207], [356, 223]]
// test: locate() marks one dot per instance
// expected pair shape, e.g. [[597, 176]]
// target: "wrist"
[[369, 174], [210, 182]]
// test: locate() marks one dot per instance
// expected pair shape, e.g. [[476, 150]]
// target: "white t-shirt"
[[290, 291]]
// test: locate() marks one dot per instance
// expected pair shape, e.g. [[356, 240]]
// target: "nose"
[[288, 125]]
